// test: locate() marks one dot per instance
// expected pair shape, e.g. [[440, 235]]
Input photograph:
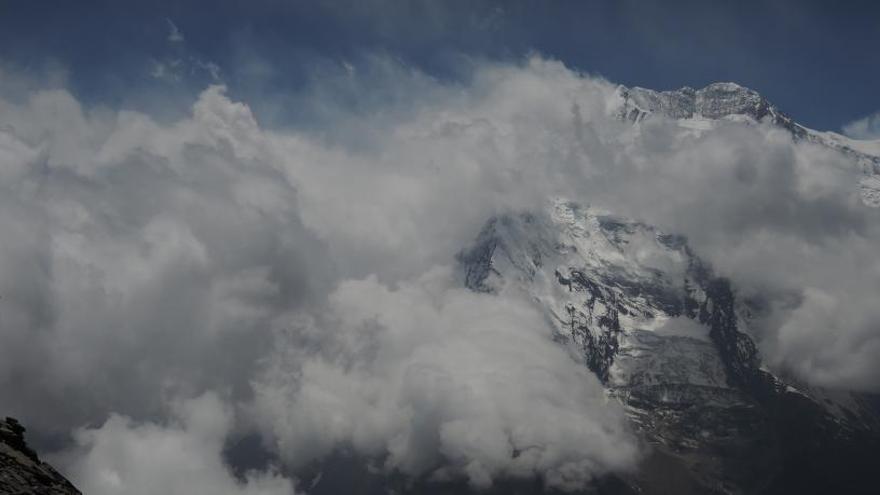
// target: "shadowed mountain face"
[[21, 471]]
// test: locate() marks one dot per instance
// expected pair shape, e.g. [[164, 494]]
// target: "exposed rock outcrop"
[[21, 470]]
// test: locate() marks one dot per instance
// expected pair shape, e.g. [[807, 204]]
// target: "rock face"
[[21, 471], [716, 101], [668, 339]]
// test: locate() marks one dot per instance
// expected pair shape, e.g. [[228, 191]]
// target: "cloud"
[[147, 261], [123, 456], [174, 34], [166, 70], [778, 218], [180, 63], [775, 215], [294, 272], [154, 262], [434, 171], [864, 128], [436, 381], [806, 346]]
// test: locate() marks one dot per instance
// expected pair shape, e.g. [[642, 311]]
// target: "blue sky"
[[818, 61]]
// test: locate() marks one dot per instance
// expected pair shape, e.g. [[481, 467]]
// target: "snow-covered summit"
[[715, 101], [729, 102]]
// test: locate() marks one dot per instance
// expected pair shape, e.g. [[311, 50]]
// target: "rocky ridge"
[[21, 470]]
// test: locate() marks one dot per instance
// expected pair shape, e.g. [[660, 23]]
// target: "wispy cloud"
[[167, 70], [864, 128], [174, 34], [181, 64]]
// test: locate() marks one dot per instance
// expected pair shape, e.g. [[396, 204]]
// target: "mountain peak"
[[728, 86], [720, 100], [731, 102], [669, 341]]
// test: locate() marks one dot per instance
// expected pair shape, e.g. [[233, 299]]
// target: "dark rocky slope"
[[21, 470]]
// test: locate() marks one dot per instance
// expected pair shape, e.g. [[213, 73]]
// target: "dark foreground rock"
[[21, 470]]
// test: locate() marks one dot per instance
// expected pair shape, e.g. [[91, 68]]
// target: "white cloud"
[[182, 457], [803, 344], [864, 128], [148, 260], [166, 254], [774, 215], [443, 383]]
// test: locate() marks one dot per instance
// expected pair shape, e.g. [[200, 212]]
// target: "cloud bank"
[[436, 380], [166, 284]]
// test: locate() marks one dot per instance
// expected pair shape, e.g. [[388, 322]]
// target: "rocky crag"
[[21, 470]]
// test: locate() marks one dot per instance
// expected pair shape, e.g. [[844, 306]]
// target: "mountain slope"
[[669, 341]]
